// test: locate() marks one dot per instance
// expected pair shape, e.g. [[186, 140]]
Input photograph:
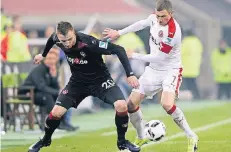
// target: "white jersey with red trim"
[[165, 39], [164, 43], [164, 71]]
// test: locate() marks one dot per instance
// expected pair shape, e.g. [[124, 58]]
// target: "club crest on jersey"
[[64, 91], [160, 34], [103, 44], [93, 41]]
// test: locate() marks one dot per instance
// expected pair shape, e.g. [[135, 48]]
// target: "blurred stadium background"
[[206, 87]]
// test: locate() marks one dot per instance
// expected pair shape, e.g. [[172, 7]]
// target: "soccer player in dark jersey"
[[90, 76]]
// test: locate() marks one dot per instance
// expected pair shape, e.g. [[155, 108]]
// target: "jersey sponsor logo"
[[103, 44], [76, 61], [108, 84]]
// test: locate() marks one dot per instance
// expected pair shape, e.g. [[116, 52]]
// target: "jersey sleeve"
[[107, 48], [137, 26], [173, 39], [49, 45], [149, 57]]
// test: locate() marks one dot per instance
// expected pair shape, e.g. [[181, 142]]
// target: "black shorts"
[[74, 93]]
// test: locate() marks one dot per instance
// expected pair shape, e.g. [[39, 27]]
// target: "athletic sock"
[[121, 121]]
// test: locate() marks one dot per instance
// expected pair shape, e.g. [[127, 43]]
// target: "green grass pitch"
[[211, 120]]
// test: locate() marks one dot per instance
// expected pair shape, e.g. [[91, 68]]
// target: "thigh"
[[150, 82], [108, 91], [71, 95], [172, 81]]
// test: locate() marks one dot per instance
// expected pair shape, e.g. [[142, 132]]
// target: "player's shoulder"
[[173, 28], [54, 37], [152, 17], [85, 37], [82, 36]]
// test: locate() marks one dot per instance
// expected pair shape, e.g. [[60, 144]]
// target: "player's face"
[[163, 17], [67, 40]]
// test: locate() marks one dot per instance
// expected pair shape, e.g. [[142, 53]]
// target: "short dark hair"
[[64, 27], [164, 5]]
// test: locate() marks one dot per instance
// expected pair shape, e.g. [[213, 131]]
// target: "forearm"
[[124, 61], [137, 26], [147, 57]]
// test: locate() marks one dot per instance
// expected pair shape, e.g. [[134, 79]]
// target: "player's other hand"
[[133, 81], [38, 58], [129, 53], [110, 34]]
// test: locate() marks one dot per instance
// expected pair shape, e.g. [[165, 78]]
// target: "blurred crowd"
[[15, 48]]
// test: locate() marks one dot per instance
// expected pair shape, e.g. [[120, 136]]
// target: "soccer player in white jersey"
[[164, 72]]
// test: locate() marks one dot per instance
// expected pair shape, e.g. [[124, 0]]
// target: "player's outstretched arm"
[[39, 57], [137, 26], [49, 45], [149, 57], [165, 48]]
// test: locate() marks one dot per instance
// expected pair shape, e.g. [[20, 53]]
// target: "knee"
[[120, 106], [56, 114], [134, 101], [131, 106], [167, 106]]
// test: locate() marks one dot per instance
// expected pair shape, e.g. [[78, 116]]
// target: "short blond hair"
[[164, 5]]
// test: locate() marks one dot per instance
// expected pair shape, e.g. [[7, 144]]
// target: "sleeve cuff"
[[121, 32]]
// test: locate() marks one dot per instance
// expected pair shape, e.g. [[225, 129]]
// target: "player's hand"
[[129, 53], [38, 58], [110, 34], [133, 81]]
